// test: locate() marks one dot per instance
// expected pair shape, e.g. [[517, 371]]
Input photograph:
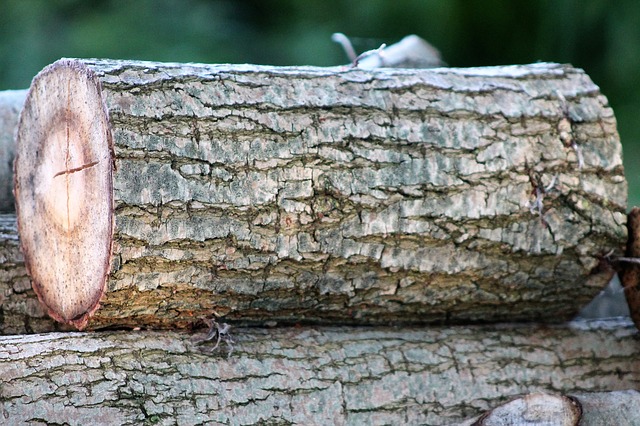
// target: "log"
[[325, 195], [20, 310], [585, 409], [11, 102], [324, 375]]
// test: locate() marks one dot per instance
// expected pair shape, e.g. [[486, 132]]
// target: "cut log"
[[306, 376], [22, 313], [20, 310], [585, 409], [11, 102], [316, 194]]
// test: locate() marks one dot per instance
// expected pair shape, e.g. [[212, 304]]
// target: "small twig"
[[627, 259], [344, 41], [218, 332], [536, 206], [551, 184], [379, 51]]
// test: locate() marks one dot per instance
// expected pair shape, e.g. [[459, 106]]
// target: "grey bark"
[[306, 375], [351, 196], [20, 310], [11, 102]]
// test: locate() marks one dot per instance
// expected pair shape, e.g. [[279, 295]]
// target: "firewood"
[[328, 195], [322, 375]]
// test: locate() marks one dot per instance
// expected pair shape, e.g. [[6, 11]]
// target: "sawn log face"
[[339, 195]]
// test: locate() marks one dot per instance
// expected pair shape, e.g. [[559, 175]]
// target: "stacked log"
[[311, 375], [20, 310], [316, 195], [157, 195]]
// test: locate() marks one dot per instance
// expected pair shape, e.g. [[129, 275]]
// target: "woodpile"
[[317, 195], [309, 202]]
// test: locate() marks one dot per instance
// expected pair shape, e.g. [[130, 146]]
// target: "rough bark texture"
[[584, 409], [11, 102], [20, 311], [356, 376], [342, 195]]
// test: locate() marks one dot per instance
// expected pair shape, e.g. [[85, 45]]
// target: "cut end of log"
[[63, 181], [534, 409]]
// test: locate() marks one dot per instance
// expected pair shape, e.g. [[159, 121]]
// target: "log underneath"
[[20, 310], [316, 194], [11, 102], [306, 376]]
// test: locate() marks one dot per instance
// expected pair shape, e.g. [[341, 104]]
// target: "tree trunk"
[[306, 375], [11, 102], [316, 194]]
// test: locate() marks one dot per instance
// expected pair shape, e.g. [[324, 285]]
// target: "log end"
[[537, 408], [63, 190]]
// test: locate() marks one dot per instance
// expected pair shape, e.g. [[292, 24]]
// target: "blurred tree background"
[[600, 36]]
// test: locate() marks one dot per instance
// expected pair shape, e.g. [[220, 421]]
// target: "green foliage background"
[[601, 36]]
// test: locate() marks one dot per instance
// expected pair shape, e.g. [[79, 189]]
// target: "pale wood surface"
[[585, 409], [339, 195]]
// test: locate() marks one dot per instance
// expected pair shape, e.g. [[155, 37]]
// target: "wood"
[[63, 190], [20, 310], [327, 195], [584, 409], [11, 102], [307, 375], [629, 271]]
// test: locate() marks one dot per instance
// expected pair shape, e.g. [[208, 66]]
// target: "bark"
[[11, 102], [585, 409], [317, 194], [306, 375], [20, 310]]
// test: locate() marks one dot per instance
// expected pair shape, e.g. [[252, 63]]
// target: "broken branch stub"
[[316, 194]]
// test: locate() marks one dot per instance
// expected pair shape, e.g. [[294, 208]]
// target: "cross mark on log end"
[[76, 169]]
